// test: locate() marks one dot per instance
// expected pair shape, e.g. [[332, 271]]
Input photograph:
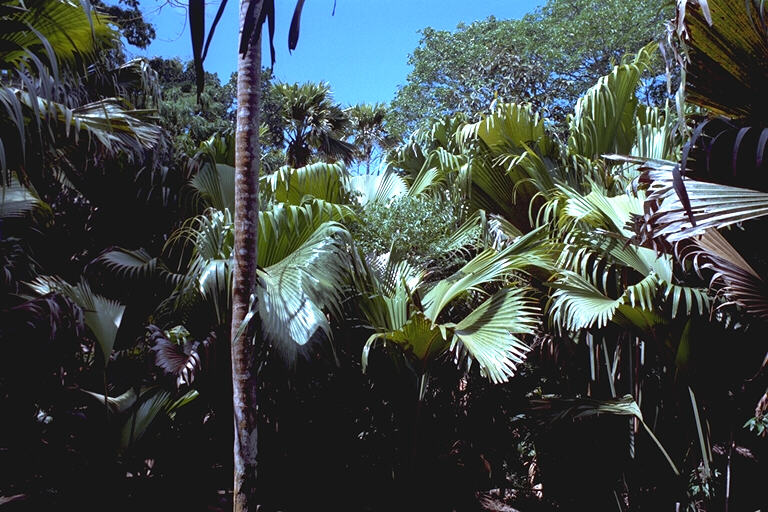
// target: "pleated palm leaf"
[[433, 156], [513, 158], [516, 164], [604, 277], [408, 313], [17, 200], [719, 180], [103, 316], [329, 182], [64, 32], [214, 172], [135, 412], [304, 265], [372, 188], [48, 46]]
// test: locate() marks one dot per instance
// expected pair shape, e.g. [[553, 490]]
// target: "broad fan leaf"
[[579, 304], [491, 333], [487, 267], [152, 402], [328, 182], [298, 289], [418, 338], [604, 118], [102, 316], [215, 185], [382, 188], [712, 205], [182, 359], [303, 266]]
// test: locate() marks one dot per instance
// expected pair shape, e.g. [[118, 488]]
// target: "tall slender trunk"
[[244, 351]]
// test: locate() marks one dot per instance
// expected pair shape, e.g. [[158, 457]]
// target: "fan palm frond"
[[102, 316]]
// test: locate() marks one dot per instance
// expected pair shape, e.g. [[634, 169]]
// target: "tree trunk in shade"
[[244, 351]]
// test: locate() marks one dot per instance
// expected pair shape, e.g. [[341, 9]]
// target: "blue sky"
[[362, 51]]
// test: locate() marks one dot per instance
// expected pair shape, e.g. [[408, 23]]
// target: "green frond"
[[604, 118], [102, 316], [368, 188], [285, 228], [509, 128], [133, 265], [17, 200], [215, 185], [419, 339], [328, 182], [578, 304], [298, 289], [490, 334], [488, 266], [57, 28]]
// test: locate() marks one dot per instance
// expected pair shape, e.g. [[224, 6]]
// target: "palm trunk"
[[244, 361]]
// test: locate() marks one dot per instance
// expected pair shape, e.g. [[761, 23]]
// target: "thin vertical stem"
[[244, 350], [608, 369], [702, 443]]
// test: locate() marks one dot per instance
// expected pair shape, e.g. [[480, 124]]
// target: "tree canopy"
[[549, 58]]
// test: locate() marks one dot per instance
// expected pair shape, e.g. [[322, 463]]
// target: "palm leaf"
[[377, 187], [184, 360], [551, 410], [488, 266], [119, 404], [419, 339], [134, 265], [734, 277], [328, 182], [102, 316], [490, 333], [16, 200], [55, 28], [306, 282], [579, 304], [215, 185], [712, 205], [604, 118], [724, 71]]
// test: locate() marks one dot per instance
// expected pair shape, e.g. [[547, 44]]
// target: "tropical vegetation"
[[534, 280]]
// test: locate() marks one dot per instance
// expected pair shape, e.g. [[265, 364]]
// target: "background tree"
[[191, 119], [368, 124], [549, 58], [133, 27], [315, 126]]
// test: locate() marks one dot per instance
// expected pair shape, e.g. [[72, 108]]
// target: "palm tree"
[[405, 310], [45, 87], [315, 125], [719, 179], [369, 131]]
